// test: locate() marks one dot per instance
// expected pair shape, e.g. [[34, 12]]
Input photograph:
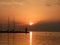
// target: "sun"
[[31, 23]]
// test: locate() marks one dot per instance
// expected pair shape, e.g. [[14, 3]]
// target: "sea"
[[31, 38]]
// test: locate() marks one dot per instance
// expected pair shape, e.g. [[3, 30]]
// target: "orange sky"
[[30, 10]]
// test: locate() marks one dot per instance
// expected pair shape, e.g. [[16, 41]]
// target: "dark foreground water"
[[38, 38]]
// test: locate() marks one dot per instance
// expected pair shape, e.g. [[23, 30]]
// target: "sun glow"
[[30, 38], [31, 23]]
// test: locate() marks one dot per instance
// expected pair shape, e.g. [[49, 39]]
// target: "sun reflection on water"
[[30, 38]]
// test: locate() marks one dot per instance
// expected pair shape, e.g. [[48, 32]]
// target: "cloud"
[[11, 3], [49, 27], [30, 2], [11, 0], [5, 0]]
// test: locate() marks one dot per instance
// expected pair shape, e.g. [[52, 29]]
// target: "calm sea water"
[[38, 38]]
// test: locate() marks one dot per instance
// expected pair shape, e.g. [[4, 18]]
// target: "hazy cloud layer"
[[33, 2]]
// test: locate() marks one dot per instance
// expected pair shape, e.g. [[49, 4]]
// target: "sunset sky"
[[26, 11], [41, 18]]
